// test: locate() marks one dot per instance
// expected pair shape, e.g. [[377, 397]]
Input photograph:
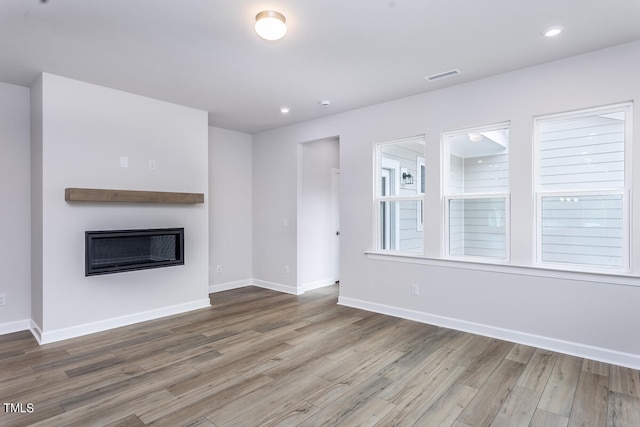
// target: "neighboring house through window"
[[398, 203], [476, 192], [581, 190], [583, 178]]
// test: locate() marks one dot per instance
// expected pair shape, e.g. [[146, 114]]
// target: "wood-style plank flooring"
[[262, 358]]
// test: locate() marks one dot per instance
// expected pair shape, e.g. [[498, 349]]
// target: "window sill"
[[613, 278]]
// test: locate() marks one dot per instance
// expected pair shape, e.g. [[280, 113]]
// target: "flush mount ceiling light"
[[271, 25], [285, 110], [552, 31]]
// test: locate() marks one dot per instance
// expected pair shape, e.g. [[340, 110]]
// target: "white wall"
[[85, 131], [37, 293], [15, 202], [274, 201], [230, 209], [316, 228], [588, 315]]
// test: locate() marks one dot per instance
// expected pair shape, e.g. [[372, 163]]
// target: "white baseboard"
[[15, 326], [277, 287], [103, 325], [36, 331], [229, 285], [271, 285], [254, 282], [316, 285], [572, 348]]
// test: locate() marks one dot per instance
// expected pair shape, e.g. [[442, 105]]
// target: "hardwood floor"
[[258, 357]]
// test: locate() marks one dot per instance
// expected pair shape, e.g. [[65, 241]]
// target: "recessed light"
[[285, 110], [552, 31], [325, 103], [475, 137]]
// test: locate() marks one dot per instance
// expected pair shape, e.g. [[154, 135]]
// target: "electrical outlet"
[[3, 299], [219, 269], [415, 290], [152, 164], [286, 269]]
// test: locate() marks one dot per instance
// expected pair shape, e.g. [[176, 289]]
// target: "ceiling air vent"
[[444, 75]]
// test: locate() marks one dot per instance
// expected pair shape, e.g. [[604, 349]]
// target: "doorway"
[[318, 231]]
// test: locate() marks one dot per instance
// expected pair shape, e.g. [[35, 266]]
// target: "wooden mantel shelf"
[[129, 196]]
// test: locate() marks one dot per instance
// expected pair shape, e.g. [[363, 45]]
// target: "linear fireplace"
[[113, 251]]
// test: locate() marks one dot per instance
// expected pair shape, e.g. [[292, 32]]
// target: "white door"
[[335, 216]]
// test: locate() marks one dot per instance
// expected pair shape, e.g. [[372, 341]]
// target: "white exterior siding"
[[584, 153], [478, 227], [586, 230], [581, 184], [476, 224], [487, 174]]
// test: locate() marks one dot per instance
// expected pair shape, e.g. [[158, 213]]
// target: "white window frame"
[[447, 197], [625, 191], [380, 164], [419, 166], [393, 166]]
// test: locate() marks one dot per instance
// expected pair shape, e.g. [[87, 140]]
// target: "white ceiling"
[[490, 143], [205, 53]]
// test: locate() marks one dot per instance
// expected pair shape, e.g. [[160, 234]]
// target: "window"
[[420, 189], [582, 182], [476, 192], [399, 193]]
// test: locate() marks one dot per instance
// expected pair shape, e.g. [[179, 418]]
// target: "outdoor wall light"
[[407, 178]]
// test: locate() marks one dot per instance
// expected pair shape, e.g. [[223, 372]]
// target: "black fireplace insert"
[[113, 251]]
